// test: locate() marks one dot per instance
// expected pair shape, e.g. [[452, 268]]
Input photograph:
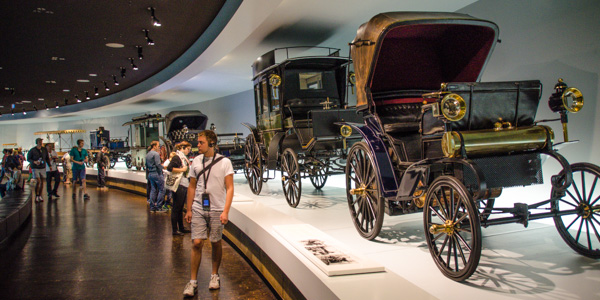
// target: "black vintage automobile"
[[298, 100], [437, 140]]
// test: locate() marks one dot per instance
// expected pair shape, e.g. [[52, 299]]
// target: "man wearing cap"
[[37, 159]]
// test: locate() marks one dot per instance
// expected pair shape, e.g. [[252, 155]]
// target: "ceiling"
[[202, 50]]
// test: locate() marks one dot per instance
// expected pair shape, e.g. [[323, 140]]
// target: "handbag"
[[172, 181]]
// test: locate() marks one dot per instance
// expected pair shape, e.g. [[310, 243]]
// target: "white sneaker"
[[214, 282], [190, 289]]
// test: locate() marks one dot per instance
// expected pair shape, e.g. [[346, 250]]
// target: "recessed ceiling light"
[[114, 45], [83, 80], [50, 81], [41, 99], [57, 58], [66, 90], [93, 75], [25, 101]]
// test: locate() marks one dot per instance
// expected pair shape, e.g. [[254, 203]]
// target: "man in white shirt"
[[209, 198]]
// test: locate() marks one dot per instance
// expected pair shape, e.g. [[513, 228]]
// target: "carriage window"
[[274, 98], [265, 96], [311, 81], [258, 100]]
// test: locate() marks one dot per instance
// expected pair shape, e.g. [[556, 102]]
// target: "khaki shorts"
[[206, 224], [39, 173]]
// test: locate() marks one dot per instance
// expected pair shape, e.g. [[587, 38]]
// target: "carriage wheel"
[[253, 165], [363, 193], [320, 174], [128, 161], [290, 177], [580, 228], [113, 160], [452, 228]]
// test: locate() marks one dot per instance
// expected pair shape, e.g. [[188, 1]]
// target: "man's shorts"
[[39, 173], [206, 224], [78, 175]]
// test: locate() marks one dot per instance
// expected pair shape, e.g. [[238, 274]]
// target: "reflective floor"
[[111, 247]]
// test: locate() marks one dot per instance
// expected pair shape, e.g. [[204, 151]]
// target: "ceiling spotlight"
[[12, 113], [140, 56], [57, 104], [123, 72], [133, 66], [76, 98], [96, 91], [46, 105], [155, 21], [24, 112], [105, 86], [87, 96], [148, 39], [115, 80]]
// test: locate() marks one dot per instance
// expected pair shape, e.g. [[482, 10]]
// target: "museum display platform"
[[516, 263]]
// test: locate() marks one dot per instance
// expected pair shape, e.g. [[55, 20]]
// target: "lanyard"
[[206, 176]]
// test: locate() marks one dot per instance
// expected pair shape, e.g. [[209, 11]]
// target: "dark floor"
[[111, 247]]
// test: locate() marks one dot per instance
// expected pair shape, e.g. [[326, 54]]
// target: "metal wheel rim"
[[291, 179], [456, 253], [320, 178], [581, 228], [253, 165]]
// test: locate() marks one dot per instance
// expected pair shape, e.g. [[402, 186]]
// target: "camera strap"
[[207, 168]]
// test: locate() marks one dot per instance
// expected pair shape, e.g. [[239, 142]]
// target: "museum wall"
[[227, 113]]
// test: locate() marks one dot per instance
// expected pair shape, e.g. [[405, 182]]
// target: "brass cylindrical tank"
[[497, 142]]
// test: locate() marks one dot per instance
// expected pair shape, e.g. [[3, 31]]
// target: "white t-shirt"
[[53, 157], [67, 159], [216, 180]]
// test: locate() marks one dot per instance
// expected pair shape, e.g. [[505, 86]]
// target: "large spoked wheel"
[[253, 166], [319, 174], [128, 161], [113, 160], [578, 219], [290, 177], [362, 190], [452, 228]]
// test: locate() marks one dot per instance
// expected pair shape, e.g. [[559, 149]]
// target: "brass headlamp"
[[565, 99], [275, 80], [453, 107]]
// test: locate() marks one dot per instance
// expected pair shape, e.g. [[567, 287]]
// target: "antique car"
[[299, 96], [142, 131], [437, 140], [117, 147]]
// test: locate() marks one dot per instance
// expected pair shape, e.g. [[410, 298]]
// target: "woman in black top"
[[180, 164]]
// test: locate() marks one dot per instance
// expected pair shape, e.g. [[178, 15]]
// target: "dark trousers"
[[177, 210], [49, 176], [101, 177]]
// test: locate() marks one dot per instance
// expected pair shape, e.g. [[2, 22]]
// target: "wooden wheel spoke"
[[592, 189], [568, 203], [575, 220], [579, 231], [463, 241], [588, 233], [437, 213], [584, 198]]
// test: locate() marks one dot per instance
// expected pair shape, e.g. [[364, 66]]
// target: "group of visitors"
[[207, 205], [10, 173]]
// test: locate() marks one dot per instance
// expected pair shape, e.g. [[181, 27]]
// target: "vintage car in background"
[[438, 141], [117, 147], [299, 96]]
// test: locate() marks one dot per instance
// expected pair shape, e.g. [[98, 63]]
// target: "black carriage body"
[[301, 108], [437, 140]]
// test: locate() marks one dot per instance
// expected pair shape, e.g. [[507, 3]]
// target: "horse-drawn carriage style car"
[[450, 151], [298, 102]]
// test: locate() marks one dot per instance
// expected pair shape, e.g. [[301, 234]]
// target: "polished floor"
[[111, 247]]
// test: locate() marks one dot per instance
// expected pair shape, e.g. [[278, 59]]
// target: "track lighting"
[[133, 66], [24, 112], [46, 105], [115, 80], [155, 21], [148, 39], [12, 113], [105, 86], [96, 91], [57, 104], [139, 49], [76, 98], [123, 72], [87, 96]]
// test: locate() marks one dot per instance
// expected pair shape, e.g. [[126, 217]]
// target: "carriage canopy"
[[192, 119], [417, 51]]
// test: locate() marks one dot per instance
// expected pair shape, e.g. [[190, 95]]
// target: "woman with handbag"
[[178, 182]]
